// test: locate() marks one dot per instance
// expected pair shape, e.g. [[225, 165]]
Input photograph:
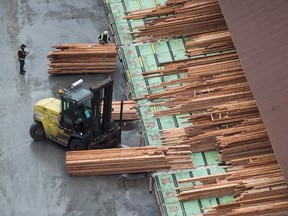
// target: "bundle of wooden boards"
[[184, 18], [129, 110], [82, 58], [256, 182], [127, 160], [216, 41]]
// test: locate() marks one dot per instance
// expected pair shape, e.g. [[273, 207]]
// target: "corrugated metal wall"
[[259, 31]]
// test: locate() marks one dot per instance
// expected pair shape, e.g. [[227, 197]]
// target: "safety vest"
[[107, 39]]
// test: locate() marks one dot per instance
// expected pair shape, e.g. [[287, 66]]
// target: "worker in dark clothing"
[[21, 57], [104, 38]]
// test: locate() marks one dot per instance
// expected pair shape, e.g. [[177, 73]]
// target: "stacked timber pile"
[[82, 58], [184, 18], [217, 41], [182, 66], [129, 110], [256, 182], [127, 160]]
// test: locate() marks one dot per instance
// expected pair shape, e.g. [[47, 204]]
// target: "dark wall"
[[259, 30]]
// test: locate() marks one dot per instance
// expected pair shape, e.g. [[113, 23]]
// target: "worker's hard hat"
[[105, 32]]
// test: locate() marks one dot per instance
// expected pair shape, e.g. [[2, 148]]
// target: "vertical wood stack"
[[82, 58]]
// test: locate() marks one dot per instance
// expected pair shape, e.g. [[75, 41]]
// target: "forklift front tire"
[[37, 131], [76, 145]]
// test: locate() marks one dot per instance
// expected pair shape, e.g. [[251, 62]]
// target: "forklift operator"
[[84, 112]]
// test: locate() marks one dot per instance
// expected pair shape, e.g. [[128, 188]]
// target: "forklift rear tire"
[[37, 131], [76, 145]]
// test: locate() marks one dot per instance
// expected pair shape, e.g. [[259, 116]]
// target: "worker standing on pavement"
[[21, 57], [104, 38]]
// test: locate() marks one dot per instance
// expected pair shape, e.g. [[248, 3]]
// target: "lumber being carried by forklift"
[[80, 120]]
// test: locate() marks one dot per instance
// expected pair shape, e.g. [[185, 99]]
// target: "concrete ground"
[[33, 177]]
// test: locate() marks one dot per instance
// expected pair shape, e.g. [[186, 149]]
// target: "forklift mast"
[[104, 133]]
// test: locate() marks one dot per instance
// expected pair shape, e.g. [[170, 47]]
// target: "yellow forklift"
[[80, 120]]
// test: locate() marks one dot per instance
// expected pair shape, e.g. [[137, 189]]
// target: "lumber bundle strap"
[[128, 160], [82, 58]]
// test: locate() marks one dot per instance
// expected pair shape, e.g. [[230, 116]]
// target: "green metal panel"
[[118, 11], [146, 4], [212, 157], [177, 45], [198, 159], [131, 5], [182, 121], [208, 203], [170, 196], [167, 122], [226, 199], [165, 180], [174, 209], [149, 62], [192, 207], [179, 55], [145, 49], [217, 170], [160, 2], [164, 57]]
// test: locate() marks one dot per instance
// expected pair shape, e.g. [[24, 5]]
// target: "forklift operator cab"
[[76, 111]]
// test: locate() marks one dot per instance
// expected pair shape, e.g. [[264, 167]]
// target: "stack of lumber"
[[128, 160], [217, 97], [183, 66], [209, 42], [82, 58], [205, 85], [218, 189], [256, 183], [129, 110], [184, 18], [249, 135]]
